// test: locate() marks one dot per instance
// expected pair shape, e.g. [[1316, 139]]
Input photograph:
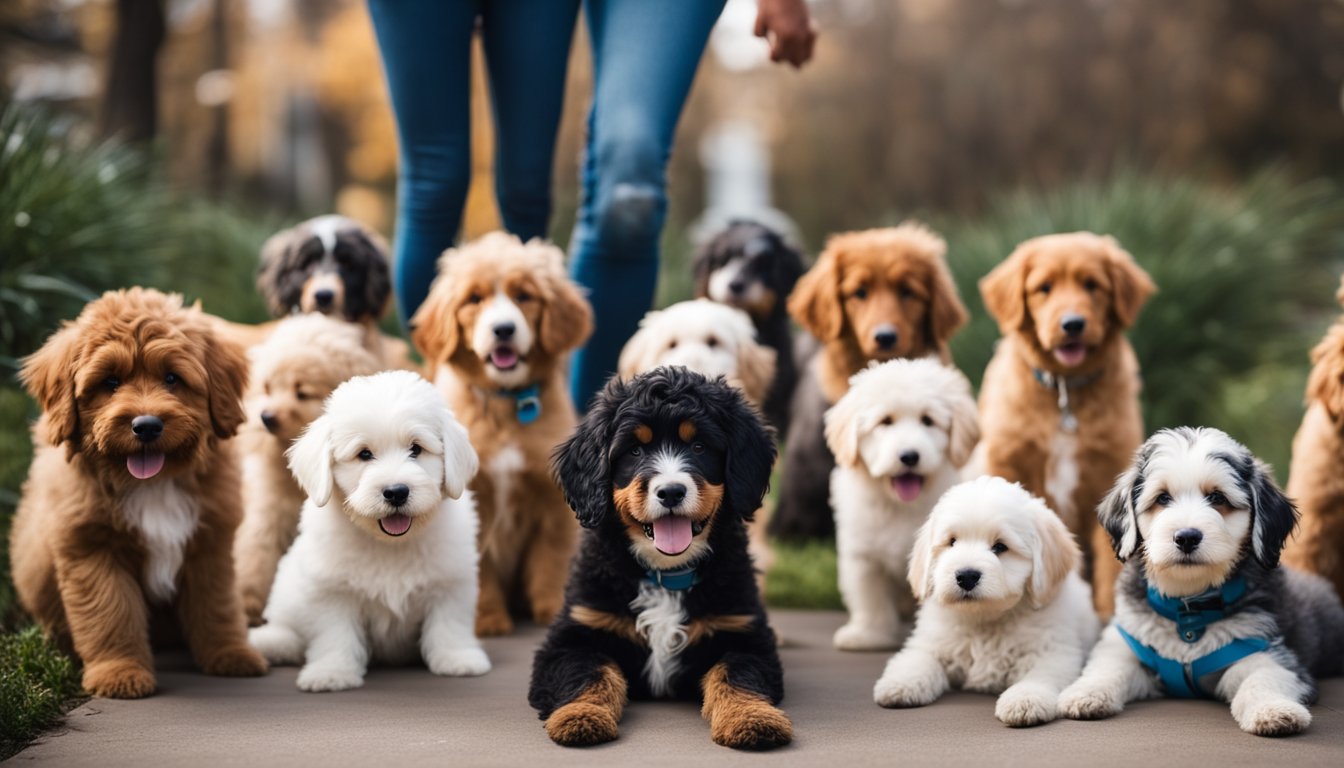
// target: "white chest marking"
[[165, 517], [1061, 475], [504, 468], [662, 622]]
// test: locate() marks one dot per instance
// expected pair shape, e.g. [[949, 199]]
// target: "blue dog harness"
[[676, 580], [526, 402], [1193, 615]]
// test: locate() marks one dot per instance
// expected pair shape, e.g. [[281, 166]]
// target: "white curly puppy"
[[1003, 607], [385, 561], [900, 436]]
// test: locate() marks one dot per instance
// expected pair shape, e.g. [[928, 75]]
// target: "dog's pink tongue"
[[144, 465], [504, 357], [1071, 354], [395, 524], [907, 486], [672, 534]]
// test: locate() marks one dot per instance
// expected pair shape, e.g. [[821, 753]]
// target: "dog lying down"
[[385, 561]]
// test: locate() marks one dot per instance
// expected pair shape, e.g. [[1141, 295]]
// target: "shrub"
[[37, 684]]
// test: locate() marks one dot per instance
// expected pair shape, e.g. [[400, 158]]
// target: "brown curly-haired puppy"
[[878, 295], [495, 330], [1316, 480], [1059, 402], [132, 498]]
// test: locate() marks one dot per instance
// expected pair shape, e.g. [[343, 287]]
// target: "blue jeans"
[[426, 50], [645, 53]]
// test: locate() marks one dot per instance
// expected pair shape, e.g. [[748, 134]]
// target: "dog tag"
[[528, 409]]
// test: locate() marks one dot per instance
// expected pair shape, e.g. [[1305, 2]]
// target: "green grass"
[[37, 685], [803, 576]]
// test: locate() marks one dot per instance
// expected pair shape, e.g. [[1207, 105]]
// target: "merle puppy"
[[1203, 608], [752, 267], [661, 600]]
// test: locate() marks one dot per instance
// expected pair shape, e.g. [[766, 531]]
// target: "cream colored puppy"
[[900, 436], [384, 567], [1003, 607]]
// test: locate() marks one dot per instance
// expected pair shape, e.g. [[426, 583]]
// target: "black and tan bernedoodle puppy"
[[661, 601]]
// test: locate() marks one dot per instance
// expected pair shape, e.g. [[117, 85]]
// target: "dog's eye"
[[415, 450], [112, 382], [952, 542], [1163, 499], [636, 451], [672, 344], [1044, 288], [905, 293], [1217, 499], [861, 292], [300, 395], [522, 297], [886, 421], [697, 448], [171, 378], [999, 548], [926, 420], [711, 342], [365, 455], [474, 298], [1090, 285]]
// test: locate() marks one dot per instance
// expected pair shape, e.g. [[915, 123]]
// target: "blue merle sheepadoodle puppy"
[[1203, 608], [661, 602]]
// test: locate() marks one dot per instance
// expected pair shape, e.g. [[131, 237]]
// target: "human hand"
[[788, 28]]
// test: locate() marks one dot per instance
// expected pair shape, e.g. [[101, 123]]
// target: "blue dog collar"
[[678, 580], [1182, 680], [1193, 614], [526, 402]]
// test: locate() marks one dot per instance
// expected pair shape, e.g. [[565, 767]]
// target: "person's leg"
[[645, 53], [426, 51], [526, 52]]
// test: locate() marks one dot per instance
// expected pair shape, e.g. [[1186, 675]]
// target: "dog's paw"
[[1025, 705], [239, 661], [118, 679], [279, 644], [1278, 717], [458, 662], [1082, 701], [493, 624], [582, 724], [756, 727], [315, 678], [253, 606], [896, 691], [545, 611], [853, 637]]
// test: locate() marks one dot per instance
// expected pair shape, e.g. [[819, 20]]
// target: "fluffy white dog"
[[385, 560], [900, 436], [1202, 607], [1004, 609]]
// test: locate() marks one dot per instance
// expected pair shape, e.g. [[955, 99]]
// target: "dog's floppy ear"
[[964, 431], [1117, 512], [225, 364], [372, 250], [460, 462], [815, 301], [789, 266], [705, 264], [920, 573], [637, 355], [946, 312], [434, 328], [1130, 285], [1273, 515], [1004, 290], [751, 455], [843, 430], [49, 376], [278, 255], [310, 460], [567, 318], [1326, 383], [1055, 556], [581, 465], [755, 369]]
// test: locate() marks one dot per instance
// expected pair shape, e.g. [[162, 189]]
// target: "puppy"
[[900, 437], [1059, 402], [1316, 478], [384, 567], [1004, 609], [876, 295], [706, 337], [497, 327], [1202, 608], [751, 267], [663, 472], [132, 499], [305, 358]]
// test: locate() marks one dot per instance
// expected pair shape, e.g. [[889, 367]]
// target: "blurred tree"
[[131, 100]]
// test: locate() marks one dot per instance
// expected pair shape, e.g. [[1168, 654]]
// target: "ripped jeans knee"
[[632, 215]]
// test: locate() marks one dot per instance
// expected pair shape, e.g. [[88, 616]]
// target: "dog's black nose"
[[1187, 539], [967, 578], [504, 331], [1073, 324], [269, 420], [324, 297], [147, 428], [885, 337], [737, 287], [396, 495], [670, 495], [910, 458]]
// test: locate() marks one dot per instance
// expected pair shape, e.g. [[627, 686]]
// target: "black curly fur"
[[605, 575]]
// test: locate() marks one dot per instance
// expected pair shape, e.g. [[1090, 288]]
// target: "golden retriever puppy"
[[495, 330], [1059, 402], [132, 498], [875, 295], [1003, 609], [1316, 478], [293, 371]]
